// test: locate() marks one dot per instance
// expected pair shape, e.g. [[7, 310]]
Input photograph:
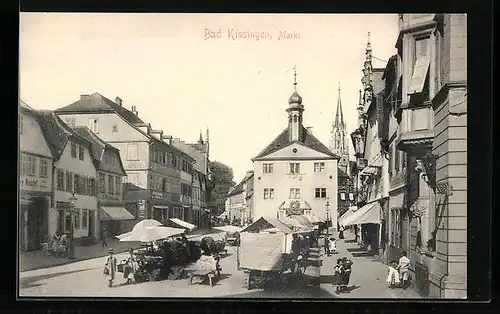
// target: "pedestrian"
[[338, 275], [341, 232], [103, 237], [130, 267], [327, 247], [403, 267], [333, 246], [393, 276], [347, 268], [110, 267]]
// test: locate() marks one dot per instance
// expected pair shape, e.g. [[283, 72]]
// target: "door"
[[91, 223], [34, 223]]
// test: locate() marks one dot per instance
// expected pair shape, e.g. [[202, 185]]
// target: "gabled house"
[[158, 174], [239, 200], [35, 180], [110, 173], [296, 173], [75, 173]]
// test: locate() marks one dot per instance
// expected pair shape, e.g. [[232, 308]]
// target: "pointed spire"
[[368, 45], [295, 77], [339, 116]]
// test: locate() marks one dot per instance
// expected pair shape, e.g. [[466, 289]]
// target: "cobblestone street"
[[368, 274]]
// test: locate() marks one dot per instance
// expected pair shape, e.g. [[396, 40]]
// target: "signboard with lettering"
[[34, 184], [142, 209], [157, 195], [294, 211]]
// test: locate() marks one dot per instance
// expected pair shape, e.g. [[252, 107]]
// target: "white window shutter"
[[419, 74]]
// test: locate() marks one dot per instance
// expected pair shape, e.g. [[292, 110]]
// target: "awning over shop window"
[[373, 166], [349, 212], [370, 213], [180, 223], [115, 213]]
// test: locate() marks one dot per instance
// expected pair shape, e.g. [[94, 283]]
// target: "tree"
[[222, 179]]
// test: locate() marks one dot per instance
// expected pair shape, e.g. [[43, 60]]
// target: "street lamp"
[[327, 206], [72, 199]]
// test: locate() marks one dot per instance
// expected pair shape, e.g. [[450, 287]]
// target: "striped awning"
[[115, 213]]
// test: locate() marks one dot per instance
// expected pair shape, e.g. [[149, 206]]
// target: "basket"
[[120, 268]]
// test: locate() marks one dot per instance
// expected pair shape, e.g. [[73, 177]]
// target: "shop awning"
[[373, 166], [115, 213], [370, 213], [180, 223]]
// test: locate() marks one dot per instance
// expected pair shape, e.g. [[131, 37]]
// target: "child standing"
[[338, 275], [333, 246], [393, 276]]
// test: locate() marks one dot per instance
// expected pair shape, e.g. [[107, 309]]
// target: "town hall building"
[[295, 173]]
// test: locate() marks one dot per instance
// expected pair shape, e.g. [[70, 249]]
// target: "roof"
[[283, 140], [391, 63], [98, 145], [266, 223], [97, 102], [25, 105], [56, 132], [378, 82], [239, 187]]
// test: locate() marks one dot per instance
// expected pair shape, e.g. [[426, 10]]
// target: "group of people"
[[399, 272], [59, 243], [130, 267], [342, 274]]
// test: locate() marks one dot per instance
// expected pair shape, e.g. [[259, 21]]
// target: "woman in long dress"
[[110, 268], [131, 267]]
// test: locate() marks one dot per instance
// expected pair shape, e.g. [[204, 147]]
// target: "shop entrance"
[[36, 219], [91, 223]]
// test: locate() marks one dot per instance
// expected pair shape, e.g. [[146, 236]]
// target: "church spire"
[[339, 116], [200, 140]]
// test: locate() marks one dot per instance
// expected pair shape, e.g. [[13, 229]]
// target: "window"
[[133, 178], [267, 168], [111, 184], [44, 168], [70, 122], [268, 193], [60, 180], [118, 184], [397, 160], [294, 168], [174, 161], [20, 124], [28, 165], [342, 196], [320, 193], [76, 185], [294, 193], [85, 218], [164, 185], [77, 218], [169, 159], [80, 152], [421, 67], [69, 181], [73, 150], [94, 125], [92, 186], [132, 152], [351, 196], [319, 167], [102, 183]]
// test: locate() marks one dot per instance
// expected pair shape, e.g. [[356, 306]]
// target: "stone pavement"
[[368, 274], [38, 259]]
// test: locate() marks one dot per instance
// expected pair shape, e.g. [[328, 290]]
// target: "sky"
[[182, 80]]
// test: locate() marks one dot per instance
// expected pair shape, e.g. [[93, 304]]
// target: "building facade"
[[35, 181], [295, 173], [113, 216], [371, 176], [432, 49], [339, 144], [239, 200], [158, 174], [74, 173]]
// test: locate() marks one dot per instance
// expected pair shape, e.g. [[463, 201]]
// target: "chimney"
[[84, 96], [134, 111], [309, 129], [167, 138], [118, 100]]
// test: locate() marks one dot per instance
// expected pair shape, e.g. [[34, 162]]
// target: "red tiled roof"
[[97, 102], [283, 140]]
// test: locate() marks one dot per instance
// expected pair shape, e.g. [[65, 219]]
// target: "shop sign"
[[294, 211], [34, 184], [157, 195], [142, 209]]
